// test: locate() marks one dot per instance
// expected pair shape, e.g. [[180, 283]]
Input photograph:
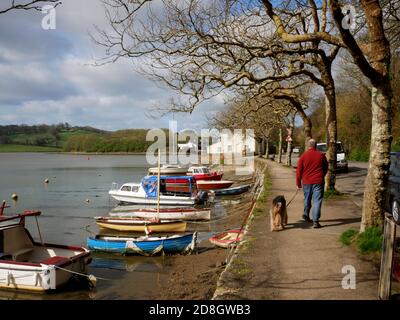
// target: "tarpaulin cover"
[[149, 184]]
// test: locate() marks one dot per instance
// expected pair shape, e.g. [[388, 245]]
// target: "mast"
[[158, 185]]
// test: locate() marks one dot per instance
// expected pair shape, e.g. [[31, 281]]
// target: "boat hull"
[[167, 214], [227, 239], [213, 185], [143, 246], [164, 200], [232, 191], [41, 277], [168, 171], [127, 224], [213, 177]]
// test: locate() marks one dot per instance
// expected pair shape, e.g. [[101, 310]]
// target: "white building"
[[230, 143]]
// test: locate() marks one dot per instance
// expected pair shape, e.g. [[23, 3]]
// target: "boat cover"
[[149, 184]]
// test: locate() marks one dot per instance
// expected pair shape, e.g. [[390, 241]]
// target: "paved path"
[[299, 262]]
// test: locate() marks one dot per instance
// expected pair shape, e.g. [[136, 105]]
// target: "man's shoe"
[[307, 219], [316, 225]]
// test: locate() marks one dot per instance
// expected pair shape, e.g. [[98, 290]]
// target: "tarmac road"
[[352, 182]]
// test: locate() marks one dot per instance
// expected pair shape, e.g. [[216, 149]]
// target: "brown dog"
[[278, 213]]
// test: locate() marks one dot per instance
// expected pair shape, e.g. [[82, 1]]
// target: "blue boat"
[[232, 191], [144, 245]]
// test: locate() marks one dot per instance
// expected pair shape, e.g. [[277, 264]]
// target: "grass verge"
[[332, 193], [366, 242]]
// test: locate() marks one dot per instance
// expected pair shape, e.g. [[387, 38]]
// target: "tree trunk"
[[280, 146], [289, 146], [266, 148], [331, 136], [307, 130], [379, 158]]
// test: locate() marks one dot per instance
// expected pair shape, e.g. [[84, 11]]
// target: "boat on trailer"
[[144, 245], [191, 214], [29, 265]]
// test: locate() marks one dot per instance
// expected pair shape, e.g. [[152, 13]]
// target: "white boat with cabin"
[[135, 193]]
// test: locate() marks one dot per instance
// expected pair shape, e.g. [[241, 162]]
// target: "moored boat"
[[168, 169], [28, 265], [144, 245], [140, 225], [213, 185], [232, 191], [203, 173], [146, 193], [166, 213], [227, 238]]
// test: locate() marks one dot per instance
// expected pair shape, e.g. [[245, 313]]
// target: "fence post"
[[385, 277]]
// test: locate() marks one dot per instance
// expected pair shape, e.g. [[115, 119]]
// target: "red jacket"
[[311, 168]]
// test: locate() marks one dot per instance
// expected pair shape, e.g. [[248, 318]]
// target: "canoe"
[[227, 238], [213, 185], [166, 214], [31, 266], [232, 191], [147, 246], [140, 225]]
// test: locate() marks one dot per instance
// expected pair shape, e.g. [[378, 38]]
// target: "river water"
[[78, 191]]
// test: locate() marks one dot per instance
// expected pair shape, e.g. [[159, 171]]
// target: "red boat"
[[228, 238], [213, 185], [203, 173]]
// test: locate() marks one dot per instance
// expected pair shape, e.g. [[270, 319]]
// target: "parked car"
[[392, 199], [296, 150], [341, 161]]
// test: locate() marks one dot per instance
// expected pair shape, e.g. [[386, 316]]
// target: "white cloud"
[[47, 76]]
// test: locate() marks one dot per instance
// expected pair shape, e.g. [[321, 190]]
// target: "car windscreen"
[[321, 147], [339, 148], [324, 148]]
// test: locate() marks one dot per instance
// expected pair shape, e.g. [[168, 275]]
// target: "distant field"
[[26, 148]]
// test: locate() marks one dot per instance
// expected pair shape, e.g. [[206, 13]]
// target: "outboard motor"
[[202, 197]]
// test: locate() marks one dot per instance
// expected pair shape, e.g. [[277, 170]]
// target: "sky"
[[47, 76]]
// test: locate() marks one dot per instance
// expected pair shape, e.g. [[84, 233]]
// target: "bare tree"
[[201, 48], [26, 5]]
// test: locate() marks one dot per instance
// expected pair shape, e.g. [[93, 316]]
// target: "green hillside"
[[63, 137]]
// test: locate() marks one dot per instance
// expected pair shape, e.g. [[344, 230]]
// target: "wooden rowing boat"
[[227, 238], [191, 214], [33, 266], [140, 225]]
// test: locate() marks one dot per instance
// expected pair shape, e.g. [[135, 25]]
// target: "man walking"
[[311, 170]]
